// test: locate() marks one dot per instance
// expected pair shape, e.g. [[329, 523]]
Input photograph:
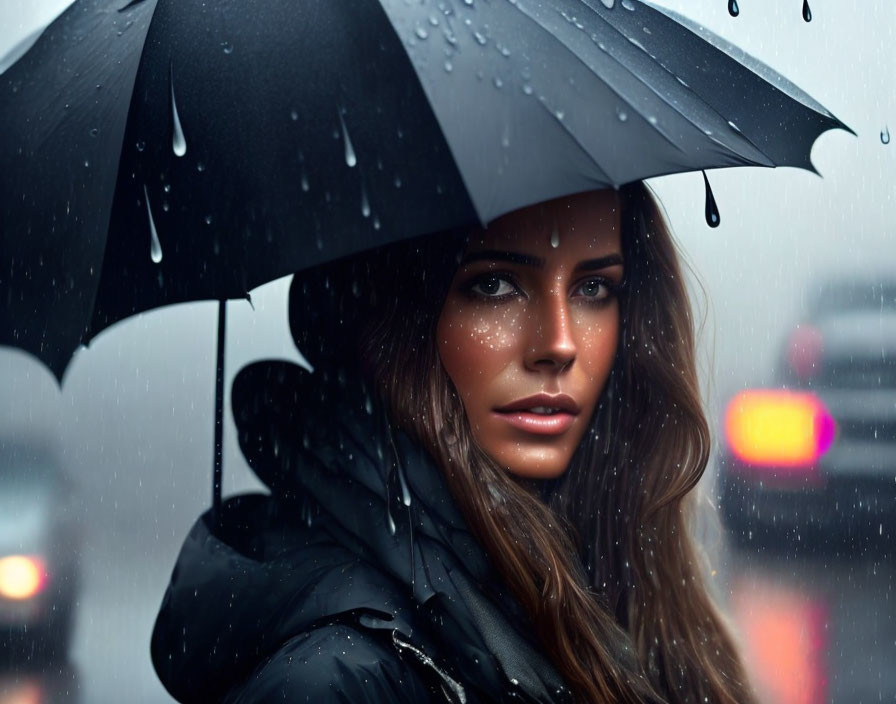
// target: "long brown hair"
[[601, 559]]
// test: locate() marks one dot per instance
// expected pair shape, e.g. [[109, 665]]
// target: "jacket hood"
[[360, 527]]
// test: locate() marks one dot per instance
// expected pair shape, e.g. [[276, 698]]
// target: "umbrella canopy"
[[159, 151]]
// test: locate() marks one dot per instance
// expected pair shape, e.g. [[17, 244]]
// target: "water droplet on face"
[[155, 246], [350, 159], [807, 11], [227, 47], [885, 135], [178, 141], [733, 8], [711, 210], [555, 238]]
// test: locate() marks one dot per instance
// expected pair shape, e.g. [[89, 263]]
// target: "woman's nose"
[[552, 342]]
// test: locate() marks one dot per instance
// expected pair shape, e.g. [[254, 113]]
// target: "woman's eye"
[[493, 286], [594, 288]]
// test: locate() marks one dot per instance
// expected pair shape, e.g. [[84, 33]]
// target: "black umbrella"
[[159, 151]]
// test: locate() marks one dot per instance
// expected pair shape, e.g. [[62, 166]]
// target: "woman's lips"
[[538, 423]]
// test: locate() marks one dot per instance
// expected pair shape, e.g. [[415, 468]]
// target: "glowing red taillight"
[[776, 428], [804, 352], [22, 576]]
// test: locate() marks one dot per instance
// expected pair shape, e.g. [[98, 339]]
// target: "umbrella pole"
[[219, 412]]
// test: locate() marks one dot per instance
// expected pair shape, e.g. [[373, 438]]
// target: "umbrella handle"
[[219, 413]]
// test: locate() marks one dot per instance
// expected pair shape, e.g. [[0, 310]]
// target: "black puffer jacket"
[[356, 580]]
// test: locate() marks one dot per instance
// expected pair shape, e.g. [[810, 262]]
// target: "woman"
[[482, 493]]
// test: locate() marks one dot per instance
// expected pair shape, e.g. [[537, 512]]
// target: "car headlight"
[[22, 576]]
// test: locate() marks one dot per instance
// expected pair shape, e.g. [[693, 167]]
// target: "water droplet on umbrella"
[[376, 223], [155, 246], [165, 206], [365, 204], [94, 132], [294, 115], [498, 82], [560, 114], [468, 3], [733, 8], [807, 11], [405, 493], [178, 141], [434, 21], [885, 135], [505, 52], [527, 89], [609, 4], [448, 67], [86, 164], [227, 47], [622, 115], [167, 188], [555, 239], [208, 219], [350, 159], [711, 209], [388, 512], [733, 126], [200, 167], [421, 32], [305, 185], [652, 119], [627, 4], [480, 38], [141, 145]]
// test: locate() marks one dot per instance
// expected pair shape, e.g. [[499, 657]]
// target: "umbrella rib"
[[578, 58], [566, 128], [686, 87]]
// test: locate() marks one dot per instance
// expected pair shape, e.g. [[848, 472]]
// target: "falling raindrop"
[[200, 167], [555, 239], [733, 8], [178, 141], [885, 135], [141, 145], [294, 115], [305, 185], [155, 247], [376, 223], [350, 159], [807, 11], [711, 209], [208, 219], [167, 188], [365, 204]]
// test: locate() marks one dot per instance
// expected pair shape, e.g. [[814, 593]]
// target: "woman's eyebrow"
[[600, 262]]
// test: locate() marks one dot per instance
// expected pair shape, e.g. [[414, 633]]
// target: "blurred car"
[[814, 454], [39, 541]]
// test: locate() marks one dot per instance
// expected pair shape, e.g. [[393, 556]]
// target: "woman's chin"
[[548, 465]]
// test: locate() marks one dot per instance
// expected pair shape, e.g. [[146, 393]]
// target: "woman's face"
[[529, 328]]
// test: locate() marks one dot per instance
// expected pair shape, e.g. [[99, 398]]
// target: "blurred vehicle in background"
[[813, 454], [39, 542]]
